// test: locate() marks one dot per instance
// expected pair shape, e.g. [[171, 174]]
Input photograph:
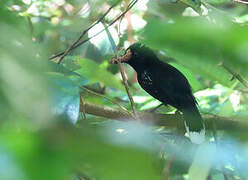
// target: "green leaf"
[[102, 41], [97, 73], [28, 157], [116, 154], [226, 109], [195, 84], [195, 4], [23, 89], [201, 45], [65, 96], [55, 67]]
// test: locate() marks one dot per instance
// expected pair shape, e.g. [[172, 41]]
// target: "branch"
[[169, 120], [116, 19], [234, 75], [83, 33], [127, 89], [77, 43], [31, 28], [107, 98], [106, 112], [123, 75], [240, 1]]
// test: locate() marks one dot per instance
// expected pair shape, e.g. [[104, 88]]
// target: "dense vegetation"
[[65, 112]]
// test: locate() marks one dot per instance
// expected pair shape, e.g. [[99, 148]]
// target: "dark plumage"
[[165, 83]]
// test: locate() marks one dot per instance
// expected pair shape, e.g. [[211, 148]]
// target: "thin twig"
[[209, 177], [243, 90], [114, 21], [124, 76], [124, 79], [240, 1], [234, 74], [82, 176], [82, 109], [84, 32], [31, 27], [86, 40], [127, 89], [115, 49]]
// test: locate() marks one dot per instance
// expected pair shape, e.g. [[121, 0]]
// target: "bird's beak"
[[125, 58]]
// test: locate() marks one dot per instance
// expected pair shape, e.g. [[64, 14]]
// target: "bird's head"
[[138, 55]]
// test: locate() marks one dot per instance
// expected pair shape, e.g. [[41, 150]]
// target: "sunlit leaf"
[[96, 73], [195, 4], [102, 41]]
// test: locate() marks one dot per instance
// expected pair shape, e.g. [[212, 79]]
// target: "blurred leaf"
[[102, 41], [29, 157], [226, 109], [200, 45], [202, 162], [55, 67], [34, 145], [209, 99], [242, 19], [65, 97], [195, 84], [97, 73], [115, 155], [195, 4], [23, 90], [150, 104]]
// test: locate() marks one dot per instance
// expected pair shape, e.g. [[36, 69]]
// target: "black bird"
[[165, 83]]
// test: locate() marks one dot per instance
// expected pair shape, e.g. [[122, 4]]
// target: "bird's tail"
[[194, 124]]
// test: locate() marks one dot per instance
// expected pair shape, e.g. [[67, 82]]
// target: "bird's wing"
[[174, 88]]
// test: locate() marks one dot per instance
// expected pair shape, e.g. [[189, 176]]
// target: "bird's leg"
[[154, 109]]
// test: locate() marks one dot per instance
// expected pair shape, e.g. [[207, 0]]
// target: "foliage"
[[44, 131]]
